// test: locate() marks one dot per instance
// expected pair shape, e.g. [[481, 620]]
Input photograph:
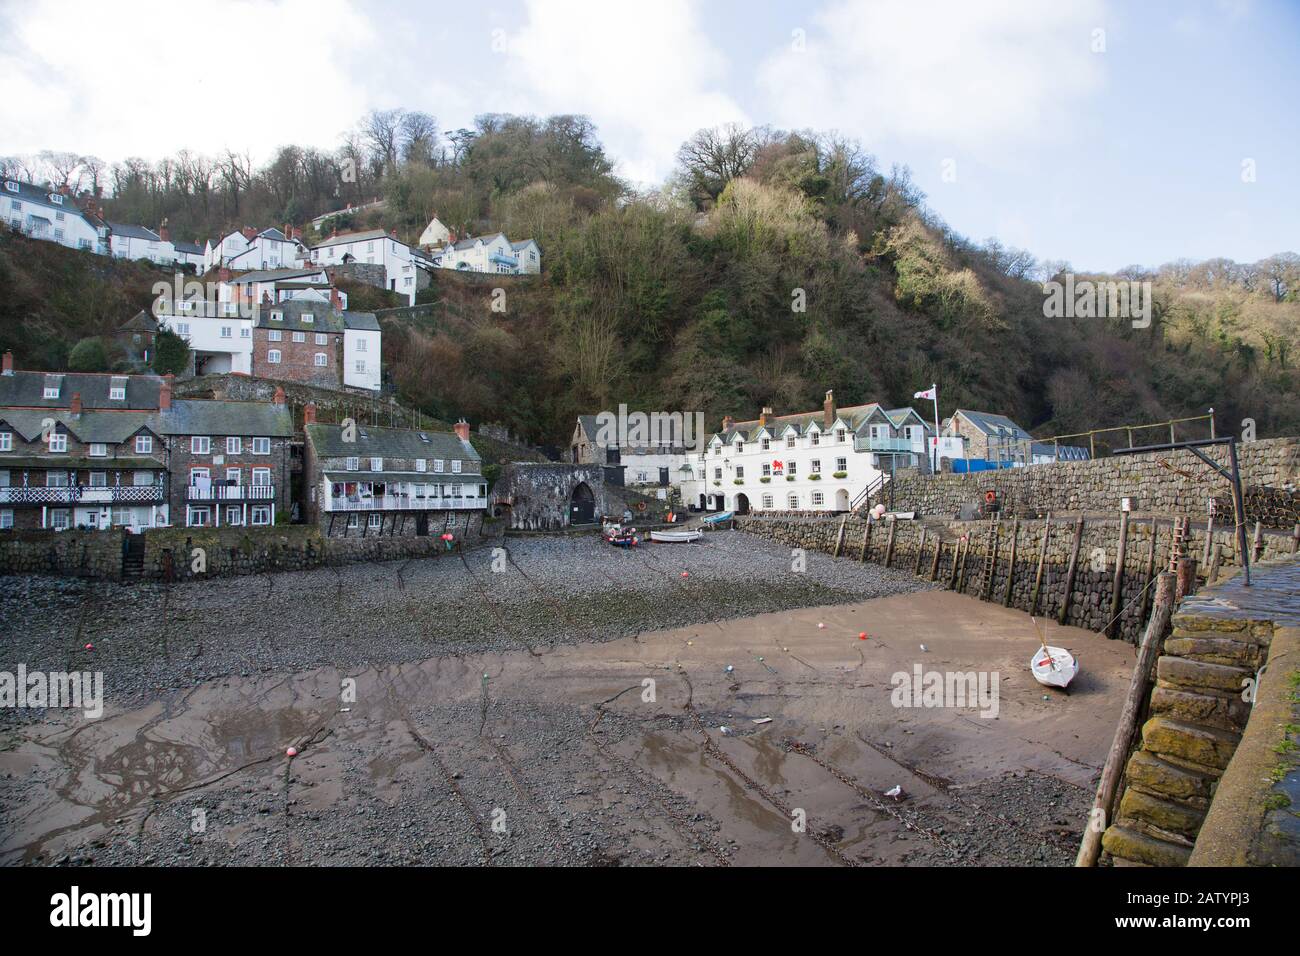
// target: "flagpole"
[[934, 465]]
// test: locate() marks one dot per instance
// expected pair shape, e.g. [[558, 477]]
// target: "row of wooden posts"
[[1213, 555]]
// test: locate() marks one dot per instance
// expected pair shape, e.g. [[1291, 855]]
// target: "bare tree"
[[382, 132], [713, 157], [419, 138], [63, 168]]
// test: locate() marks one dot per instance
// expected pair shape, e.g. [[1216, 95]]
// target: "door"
[[421, 525], [582, 505]]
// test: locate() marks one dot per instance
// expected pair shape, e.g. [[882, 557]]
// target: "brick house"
[[390, 481], [229, 461], [299, 341]]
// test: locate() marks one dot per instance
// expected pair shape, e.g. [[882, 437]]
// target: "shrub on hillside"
[[88, 355], [171, 353]]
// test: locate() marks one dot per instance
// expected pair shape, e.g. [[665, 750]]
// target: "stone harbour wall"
[[1161, 483], [963, 548]]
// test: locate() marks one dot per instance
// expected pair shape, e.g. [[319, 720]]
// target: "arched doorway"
[[582, 505], [742, 504], [842, 500]]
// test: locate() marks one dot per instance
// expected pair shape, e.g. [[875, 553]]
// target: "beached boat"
[[619, 536], [718, 518], [675, 537], [1054, 666]]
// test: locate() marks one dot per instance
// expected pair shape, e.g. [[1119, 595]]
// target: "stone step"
[[1216, 650], [1195, 743], [1227, 712], [1148, 772], [1198, 675], [1166, 815], [1132, 844]]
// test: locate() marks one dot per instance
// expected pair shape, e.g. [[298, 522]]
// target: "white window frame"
[[273, 356], [262, 446], [58, 442], [200, 445], [144, 444], [98, 449], [234, 445]]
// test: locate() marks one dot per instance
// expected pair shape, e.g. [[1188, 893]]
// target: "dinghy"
[[675, 537], [718, 518], [1052, 666]]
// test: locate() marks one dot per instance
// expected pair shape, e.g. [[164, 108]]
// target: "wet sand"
[[557, 754]]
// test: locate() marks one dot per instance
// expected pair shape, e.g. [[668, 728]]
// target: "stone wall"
[[964, 546], [1163, 483], [1176, 783], [170, 552], [536, 496]]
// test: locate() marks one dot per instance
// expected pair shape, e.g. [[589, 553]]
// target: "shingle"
[[257, 419], [372, 442], [26, 389]]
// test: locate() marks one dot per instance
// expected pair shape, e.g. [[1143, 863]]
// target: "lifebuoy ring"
[[990, 496], [640, 506]]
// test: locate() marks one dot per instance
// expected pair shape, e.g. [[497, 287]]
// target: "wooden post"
[[965, 557], [1042, 561], [1295, 539], [1069, 573], [889, 546], [1117, 582], [919, 548], [866, 540], [1149, 577], [1209, 533], [1186, 578], [1257, 542], [1011, 564], [1148, 650], [956, 555], [839, 538], [1216, 555], [938, 550]]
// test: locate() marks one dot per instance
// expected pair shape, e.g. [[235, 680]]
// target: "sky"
[[1100, 132]]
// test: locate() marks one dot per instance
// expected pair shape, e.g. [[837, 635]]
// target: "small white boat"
[[1054, 666], [675, 537], [718, 518]]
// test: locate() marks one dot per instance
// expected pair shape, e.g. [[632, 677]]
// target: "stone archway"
[[582, 504], [842, 500], [742, 504]]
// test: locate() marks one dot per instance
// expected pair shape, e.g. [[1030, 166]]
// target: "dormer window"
[[308, 318], [740, 448], [11, 186], [51, 391], [277, 316], [56, 198], [117, 393]]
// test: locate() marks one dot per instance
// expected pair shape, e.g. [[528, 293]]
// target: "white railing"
[[230, 493], [19, 495], [403, 503]]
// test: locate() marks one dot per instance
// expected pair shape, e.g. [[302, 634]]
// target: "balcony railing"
[[130, 494], [504, 260], [868, 443], [230, 493], [403, 503]]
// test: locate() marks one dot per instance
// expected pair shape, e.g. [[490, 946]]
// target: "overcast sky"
[[1096, 131]]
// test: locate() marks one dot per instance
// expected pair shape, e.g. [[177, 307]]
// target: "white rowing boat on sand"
[[1052, 666], [675, 537]]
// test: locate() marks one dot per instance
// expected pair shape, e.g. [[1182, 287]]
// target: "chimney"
[[828, 409], [223, 274], [8, 363], [287, 230], [393, 232], [75, 407], [309, 413], [297, 233], [764, 416], [462, 430], [65, 190], [278, 397], [164, 233], [336, 300], [165, 395], [249, 233], [727, 422]]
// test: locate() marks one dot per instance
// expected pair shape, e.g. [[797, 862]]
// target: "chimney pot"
[[309, 414], [75, 406], [828, 409], [727, 422], [278, 398], [765, 415], [165, 394], [462, 430], [8, 362]]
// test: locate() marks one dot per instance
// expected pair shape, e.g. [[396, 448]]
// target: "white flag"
[[928, 393]]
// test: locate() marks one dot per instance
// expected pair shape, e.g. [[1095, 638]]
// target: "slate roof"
[[347, 237], [196, 417], [990, 424], [468, 243], [361, 321], [192, 248], [142, 321], [27, 389], [28, 192], [854, 415], [128, 231], [107, 427], [273, 275], [324, 317], [374, 442]]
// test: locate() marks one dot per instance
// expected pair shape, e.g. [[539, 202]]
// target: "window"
[[814, 439], [277, 316], [273, 335], [841, 464], [261, 515], [235, 476], [791, 468], [421, 464], [437, 464], [455, 466], [98, 450], [58, 442], [321, 360], [376, 464], [361, 365], [767, 501], [261, 446], [234, 446], [199, 476], [717, 473], [261, 477], [200, 517], [354, 521], [353, 464], [300, 336], [839, 435], [51, 391], [273, 356], [60, 520], [234, 515], [117, 393], [182, 328], [6, 441], [767, 443], [740, 473], [322, 338], [308, 318], [11, 186], [99, 479], [361, 345], [225, 332], [740, 448], [143, 444], [789, 441], [793, 502], [767, 471], [142, 479], [816, 466], [200, 445], [374, 521], [817, 499], [6, 519], [245, 332], [56, 479]]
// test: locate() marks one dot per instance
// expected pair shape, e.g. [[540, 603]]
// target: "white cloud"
[[987, 77], [645, 73], [156, 76]]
